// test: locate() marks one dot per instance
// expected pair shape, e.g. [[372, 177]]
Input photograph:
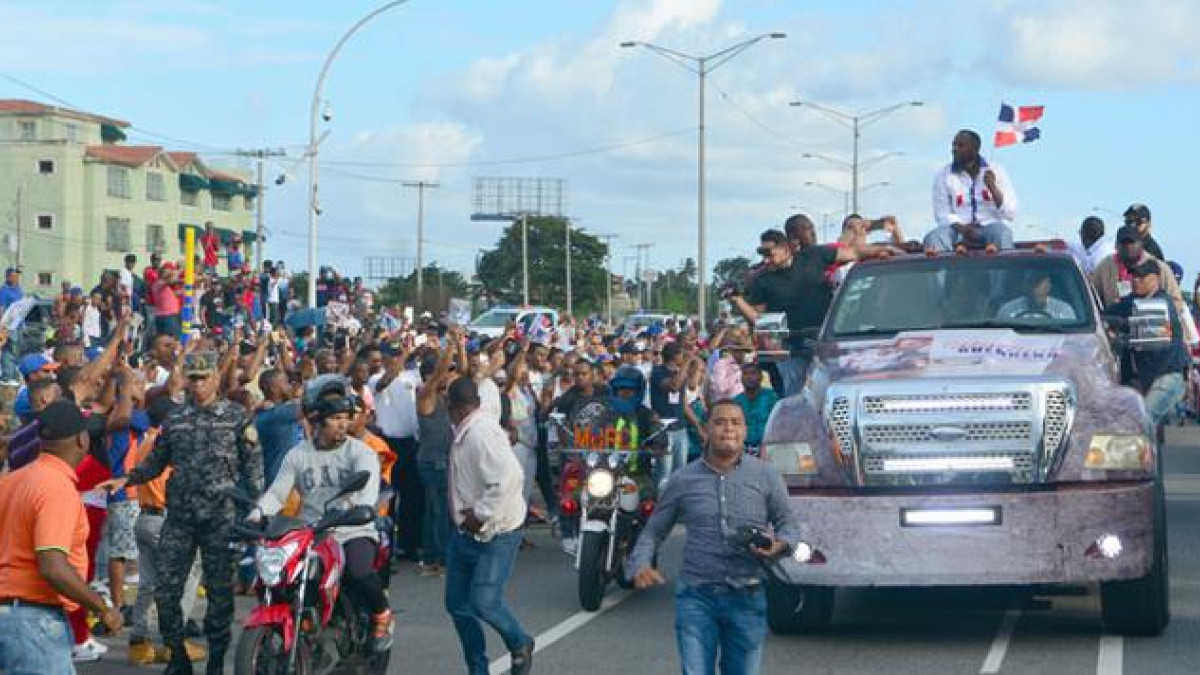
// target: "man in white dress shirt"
[[974, 202], [395, 391], [1092, 246]]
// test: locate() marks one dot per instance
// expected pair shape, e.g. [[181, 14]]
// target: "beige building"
[[74, 199]]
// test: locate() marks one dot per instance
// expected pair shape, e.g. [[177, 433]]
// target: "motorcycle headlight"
[[1119, 452], [269, 562], [600, 484]]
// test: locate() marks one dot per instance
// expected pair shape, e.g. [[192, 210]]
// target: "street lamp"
[[702, 66], [856, 122], [314, 144]]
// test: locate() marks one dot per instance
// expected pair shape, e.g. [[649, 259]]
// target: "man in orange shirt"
[[42, 550]]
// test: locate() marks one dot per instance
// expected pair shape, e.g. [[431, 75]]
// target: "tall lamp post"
[[856, 122], [702, 66], [314, 143]]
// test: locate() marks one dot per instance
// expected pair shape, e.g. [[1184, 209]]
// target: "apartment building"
[[75, 198]]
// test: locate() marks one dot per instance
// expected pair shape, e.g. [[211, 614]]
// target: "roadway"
[[877, 631]]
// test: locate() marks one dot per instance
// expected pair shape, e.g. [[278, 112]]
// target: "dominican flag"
[[1018, 125]]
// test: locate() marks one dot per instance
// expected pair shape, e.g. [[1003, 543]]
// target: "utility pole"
[[420, 187], [525, 258], [260, 155], [643, 294], [608, 273], [18, 228], [570, 307]]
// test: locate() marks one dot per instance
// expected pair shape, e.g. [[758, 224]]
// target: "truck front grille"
[[922, 404], [977, 432]]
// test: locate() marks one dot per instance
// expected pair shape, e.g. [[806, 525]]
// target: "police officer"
[[210, 444]]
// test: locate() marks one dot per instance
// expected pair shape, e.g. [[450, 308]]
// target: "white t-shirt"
[[396, 406]]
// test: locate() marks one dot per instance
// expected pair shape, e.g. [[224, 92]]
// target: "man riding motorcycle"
[[622, 411], [316, 469]]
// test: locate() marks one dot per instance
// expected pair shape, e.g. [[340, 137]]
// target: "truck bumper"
[[1041, 538]]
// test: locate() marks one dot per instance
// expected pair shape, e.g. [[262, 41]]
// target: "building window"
[[45, 166], [249, 202], [118, 182], [45, 221], [221, 202], [71, 131], [188, 198], [156, 190], [45, 278], [156, 241], [116, 235], [27, 130]]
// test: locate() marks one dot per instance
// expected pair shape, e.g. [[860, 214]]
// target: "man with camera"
[[735, 509]]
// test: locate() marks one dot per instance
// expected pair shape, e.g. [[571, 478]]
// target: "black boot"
[[216, 660], [179, 663]]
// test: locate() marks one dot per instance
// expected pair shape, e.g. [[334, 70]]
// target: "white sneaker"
[[88, 652], [570, 545]]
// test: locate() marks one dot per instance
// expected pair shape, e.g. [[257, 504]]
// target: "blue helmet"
[[1177, 270]]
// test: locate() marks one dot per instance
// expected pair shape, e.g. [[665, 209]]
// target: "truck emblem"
[[947, 434]]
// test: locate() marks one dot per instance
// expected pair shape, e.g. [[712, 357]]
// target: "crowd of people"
[[129, 432]]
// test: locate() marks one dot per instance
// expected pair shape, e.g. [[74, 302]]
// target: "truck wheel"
[[592, 577], [796, 610], [1142, 606]]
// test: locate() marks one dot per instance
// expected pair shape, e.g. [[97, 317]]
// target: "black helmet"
[[325, 396]]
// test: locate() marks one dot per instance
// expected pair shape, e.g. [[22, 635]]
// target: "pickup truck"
[[963, 425]]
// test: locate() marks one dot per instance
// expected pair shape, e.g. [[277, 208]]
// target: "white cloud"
[[1098, 44]]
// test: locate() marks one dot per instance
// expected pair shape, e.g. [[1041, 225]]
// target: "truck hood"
[[1085, 360]]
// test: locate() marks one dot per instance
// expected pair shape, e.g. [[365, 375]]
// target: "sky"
[[451, 90]]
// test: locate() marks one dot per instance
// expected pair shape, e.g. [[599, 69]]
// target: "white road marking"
[[1112, 655], [560, 631], [995, 657], [1183, 484]]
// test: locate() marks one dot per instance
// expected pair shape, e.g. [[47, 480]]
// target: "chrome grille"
[[900, 404], [1057, 419], [978, 432], [840, 423]]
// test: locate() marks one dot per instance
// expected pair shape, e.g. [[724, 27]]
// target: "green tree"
[[440, 285], [500, 268], [730, 271]]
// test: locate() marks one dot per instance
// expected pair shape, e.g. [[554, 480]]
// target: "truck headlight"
[[793, 458], [1118, 452], [600, 483]]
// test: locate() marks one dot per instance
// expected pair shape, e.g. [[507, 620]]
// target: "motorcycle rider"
[[317, 468]]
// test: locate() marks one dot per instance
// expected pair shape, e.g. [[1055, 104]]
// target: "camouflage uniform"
[[210, 450]]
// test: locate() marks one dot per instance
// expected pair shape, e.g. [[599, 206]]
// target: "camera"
[[731, 290], [753, 536]]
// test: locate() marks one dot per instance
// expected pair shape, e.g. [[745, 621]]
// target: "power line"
[[791, 140]]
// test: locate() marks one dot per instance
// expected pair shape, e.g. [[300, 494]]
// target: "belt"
[[153, 510], [18, 602], [748, 587]]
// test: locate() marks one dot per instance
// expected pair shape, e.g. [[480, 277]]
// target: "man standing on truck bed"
[[974, 202], [1113, 277]]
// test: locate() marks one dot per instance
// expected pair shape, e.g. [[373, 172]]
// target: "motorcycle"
[[602, 492], [304, 624]]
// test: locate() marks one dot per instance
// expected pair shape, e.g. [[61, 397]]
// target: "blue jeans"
[[793, 372], [476, 573], [944, 238], [675, 458], [35, 641], [1164, 394], [436, 528], [712, 620]]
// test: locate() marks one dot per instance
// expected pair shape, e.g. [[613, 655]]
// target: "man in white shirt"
[[488, 509], [974, 202], [1037, 303], [1092, 246], [395, 391]]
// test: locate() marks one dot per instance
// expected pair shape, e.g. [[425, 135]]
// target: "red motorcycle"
[[304, 624]]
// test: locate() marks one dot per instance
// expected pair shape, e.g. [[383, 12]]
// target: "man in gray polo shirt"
[[720, 605]]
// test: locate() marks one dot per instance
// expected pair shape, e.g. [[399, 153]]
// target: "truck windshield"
[[494, 319], [1024, 293]]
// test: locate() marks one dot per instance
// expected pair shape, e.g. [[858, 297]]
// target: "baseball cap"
[[1137, 213], [390, 349], [1128, 233], [631, 348], [1146, 269], [32, 363], [200, 363], [61, 419]]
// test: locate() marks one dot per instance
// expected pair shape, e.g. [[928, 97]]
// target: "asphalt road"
[[876, 631]]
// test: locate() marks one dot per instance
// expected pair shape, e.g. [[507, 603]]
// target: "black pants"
[[361, 575], [544, 477], [410, 497]]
